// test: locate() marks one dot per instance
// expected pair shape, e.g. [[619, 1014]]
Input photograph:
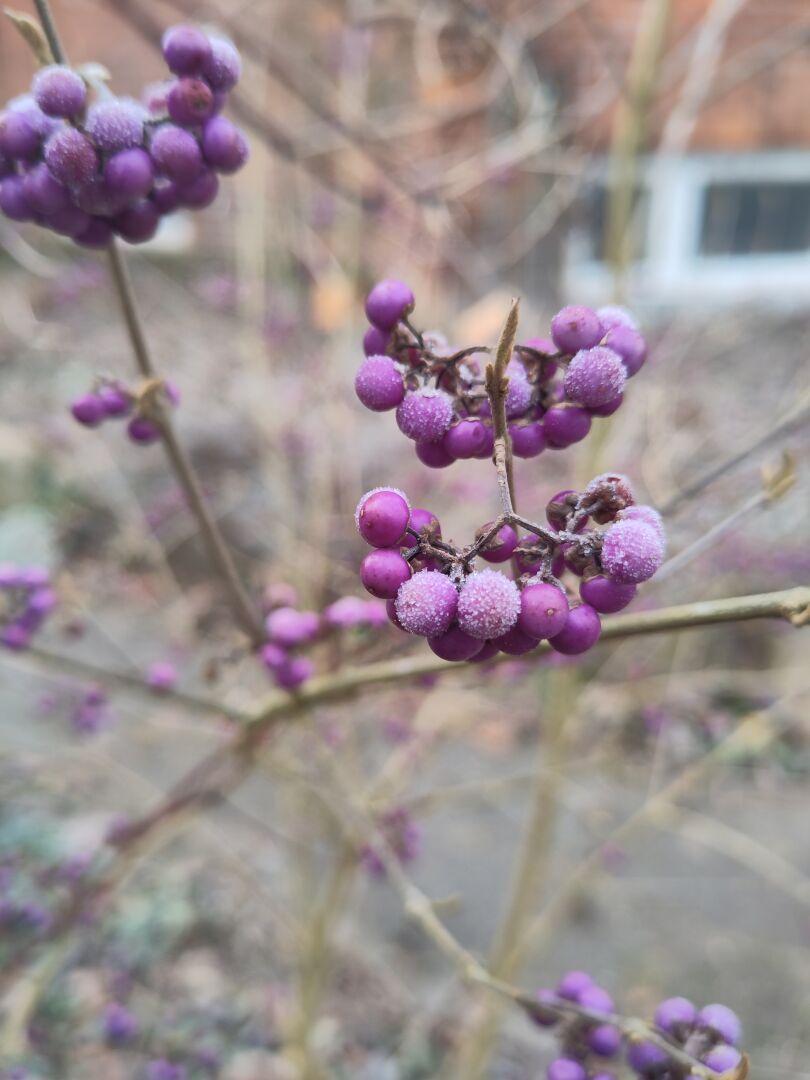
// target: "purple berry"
[[575, 328], [272, 656], [487, 444], [565, 425], [425, 415], [201, 191], [224, 146], [466, 439], [166, 196], [162, 677], [116, 400], [489, 650], [44, 194], [119, 1024], [455, 645], [287, 627], [68, 222], [186, 50], [434, 455], [545, 1017], [519, 391], [71, 157], [502, 545], [528, 440], [489, 604], [88, 410], [376, 342], [580, 632], [190, 101], [382, 517], [605, 596], [378, 384], [383, 571], [566, 1069], [223, 68], [16, 637], [596, 999], [631, 552], [675, 1015], [628, 344], [612, 315], [543, 610], [515, 642], [14, 200], [116, 125], [594, 377], [387, 303], [176, 153], [647, 1058], [20, 134], [427, 604], [648, 515], [97, 235], [130, 173], [609, 408], [604, 1040], [722, 1022], [422, 522], [143, 431], [572, 984], [722, 1059], [139, 223], [59, 91]]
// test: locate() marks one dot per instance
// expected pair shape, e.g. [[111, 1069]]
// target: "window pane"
[[755, 218], [593, 217]]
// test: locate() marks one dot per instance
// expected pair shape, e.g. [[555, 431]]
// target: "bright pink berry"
[[543, 610], [425, 415], [143, 431], [387, 303], [606, 596], [631, 552], [528, 440], [466, 439], [376, 342], [455, 645], [489, 604], [502, 545], [434, 455], [581, 631], [293, 672], [287, 627], [378, 384], [565, 425], [427, 604], [88, 410], [382, 516], [576, 327], [422, 522], [383, 571], [162, 676], [594, 377]]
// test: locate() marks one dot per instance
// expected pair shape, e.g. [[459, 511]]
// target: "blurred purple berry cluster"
[[91, 166], [581, 1011], [111, 400], [556, 386], [563, 574], [26, 601], [403, 836]]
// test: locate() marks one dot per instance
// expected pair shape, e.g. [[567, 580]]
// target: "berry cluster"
[[589, 1040], [289, 630], [95, 169], [110, 400], [26, 601], [403, 836], [432, 589], [556, 386]]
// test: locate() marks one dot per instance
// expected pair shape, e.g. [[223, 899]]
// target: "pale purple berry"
[[722, 1022], [528, 440], [604, 1040], [176, 153], [515, 642], [434, 455], [572, 984], [186, 50], [59, 91], [139, 223], [388, 302], [287, 627], [489, 604], [293, 672], [143, 431], [71, 157], [631, 552], [646, 1058], [466, 439], [565, 425], [425, 415], [502, 545], [116, 125], [383, 571], [130, 173], [576, 327], [224, 146], [223, 67], [648, 514], [88, 410], [162, 677], [427, 604], [722, 1059], [519, 391], [594, 377], [376, 342], [543, 610], [566, 1069], [581, 631], [378, 384], [629, 345], [598, 1000], [272, 656], [382, 517], [612, 316], [675, 1015], [606, 596], [455, 645]]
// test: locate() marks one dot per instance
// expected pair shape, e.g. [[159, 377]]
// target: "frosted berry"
[[648, 515], [528, 440], [130, 173], [502, 545], [565, 425], [224, 146], [116, 125], [383, 571], [612, 315], [606, 596], [382, 516], [376, 342], [425, 415], [489, 604], [543, 610], [378, 384], [467, 439], [576, 327], [455, 645], [631, 552], [581, 631], [722, 1059], [519, 390], [88, 410], [59, 91], [71, 157], [722, 1022], [427, 604], [434, 455], [190, 101], [675, 1016], [594, 377], [629, 345], [186, 50], [566, 1069], [222, 69], [387, 303], [176, 153]]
